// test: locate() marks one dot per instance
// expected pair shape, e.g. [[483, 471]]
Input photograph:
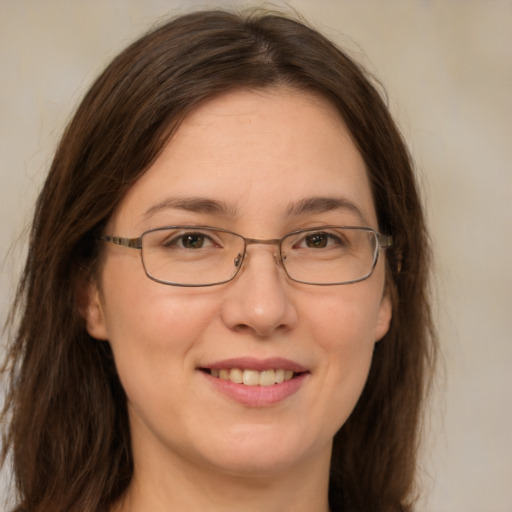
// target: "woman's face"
[[261, 164]]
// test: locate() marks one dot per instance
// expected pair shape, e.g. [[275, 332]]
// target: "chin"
[[261, 466], [260, 454]]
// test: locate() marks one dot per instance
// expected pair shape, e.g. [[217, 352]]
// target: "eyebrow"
[[316, 204], [193, 204], [321, 204]]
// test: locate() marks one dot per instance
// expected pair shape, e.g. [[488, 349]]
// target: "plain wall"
[[447, 69]]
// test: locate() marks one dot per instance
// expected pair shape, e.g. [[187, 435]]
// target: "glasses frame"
[[382, 242]]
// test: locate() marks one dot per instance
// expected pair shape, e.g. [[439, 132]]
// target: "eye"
[[318, 240], [195, 240]]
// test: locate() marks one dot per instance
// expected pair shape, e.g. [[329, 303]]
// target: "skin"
[[257, 152]]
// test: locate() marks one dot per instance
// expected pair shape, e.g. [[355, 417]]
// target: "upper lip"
[[252, 363]]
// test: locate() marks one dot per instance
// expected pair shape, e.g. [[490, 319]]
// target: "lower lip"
[[257, 396]]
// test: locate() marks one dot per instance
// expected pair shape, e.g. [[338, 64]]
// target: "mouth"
[[250, 377], [255, 382]]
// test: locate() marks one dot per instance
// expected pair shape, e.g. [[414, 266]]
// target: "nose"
[[258, 301]]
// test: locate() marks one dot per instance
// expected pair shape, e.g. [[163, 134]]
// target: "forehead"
[[255, 152]]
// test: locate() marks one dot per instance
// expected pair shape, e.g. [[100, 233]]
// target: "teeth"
[[267, 378], [253, 377], [236, 376]]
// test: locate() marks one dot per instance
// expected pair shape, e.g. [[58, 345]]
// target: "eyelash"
[[332, 239], [178, 239]]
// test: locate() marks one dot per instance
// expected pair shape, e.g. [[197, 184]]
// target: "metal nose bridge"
[[270, 241]]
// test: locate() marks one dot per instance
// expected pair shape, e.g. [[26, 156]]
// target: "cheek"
[[152, 328], [347, 318], [347, 341], [345, 338], [137, 307]]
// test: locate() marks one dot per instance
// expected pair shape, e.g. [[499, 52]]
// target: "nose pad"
[[240, 259]]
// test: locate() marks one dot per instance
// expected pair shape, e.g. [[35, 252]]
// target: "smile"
[[253, 377], [255, 382]]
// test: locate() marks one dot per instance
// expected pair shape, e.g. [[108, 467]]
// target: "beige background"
[[447, 67]]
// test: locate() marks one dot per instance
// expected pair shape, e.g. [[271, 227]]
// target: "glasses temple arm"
[[133, 243], [384, 240]]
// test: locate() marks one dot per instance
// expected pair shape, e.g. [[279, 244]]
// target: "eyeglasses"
[[205, 256]]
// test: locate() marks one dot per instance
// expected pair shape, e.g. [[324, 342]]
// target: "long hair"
[[67, 428]]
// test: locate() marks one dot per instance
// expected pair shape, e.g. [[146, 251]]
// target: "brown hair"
[[68, 430]]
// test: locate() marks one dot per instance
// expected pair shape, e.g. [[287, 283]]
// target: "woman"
[[224, 302]]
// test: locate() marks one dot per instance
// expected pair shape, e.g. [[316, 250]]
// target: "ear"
[[90, 307], [383, 317]]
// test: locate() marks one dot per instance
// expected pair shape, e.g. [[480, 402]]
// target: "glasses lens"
[[332, 255], [191, 256]]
